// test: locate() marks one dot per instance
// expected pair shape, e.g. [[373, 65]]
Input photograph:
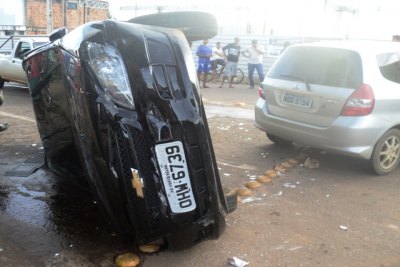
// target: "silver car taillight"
[[261, 92], [361, 102]]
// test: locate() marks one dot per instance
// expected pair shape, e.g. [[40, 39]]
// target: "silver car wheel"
[[387, 153]]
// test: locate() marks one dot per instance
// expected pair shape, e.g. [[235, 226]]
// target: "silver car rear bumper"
[[352, 136]]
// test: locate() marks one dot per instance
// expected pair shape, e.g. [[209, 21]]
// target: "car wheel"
[[278, 140], [386, 155]]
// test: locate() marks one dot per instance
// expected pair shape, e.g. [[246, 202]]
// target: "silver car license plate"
[[297, 100], [172, 163]]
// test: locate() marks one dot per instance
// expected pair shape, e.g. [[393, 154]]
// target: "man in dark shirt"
[[232, 53]]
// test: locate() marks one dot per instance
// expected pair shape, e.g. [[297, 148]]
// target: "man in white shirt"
[[218, 58], [255, 54]]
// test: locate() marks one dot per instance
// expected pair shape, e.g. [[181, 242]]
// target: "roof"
[[361, 46]]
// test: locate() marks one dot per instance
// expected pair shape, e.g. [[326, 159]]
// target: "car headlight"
[[109, 68]]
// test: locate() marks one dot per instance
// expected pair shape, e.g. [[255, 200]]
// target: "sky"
[[371, 19]]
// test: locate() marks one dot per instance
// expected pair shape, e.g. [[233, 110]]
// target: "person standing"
[[3, 126], [232, 53], [218, 58], [255, 54], [204, 52]]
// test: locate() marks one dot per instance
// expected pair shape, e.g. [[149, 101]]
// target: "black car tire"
[[195, 25], [278, 140], [386, 154]]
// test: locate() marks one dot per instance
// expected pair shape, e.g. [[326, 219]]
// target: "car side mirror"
[[57, 34]]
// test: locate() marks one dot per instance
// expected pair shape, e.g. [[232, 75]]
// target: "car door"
[[16, 71]]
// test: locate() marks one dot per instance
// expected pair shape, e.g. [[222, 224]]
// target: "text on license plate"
[[173, 167], [297, 100]]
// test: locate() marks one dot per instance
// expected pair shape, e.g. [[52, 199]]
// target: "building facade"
[[27, 17]]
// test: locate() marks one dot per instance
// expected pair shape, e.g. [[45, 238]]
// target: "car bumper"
[[352, 136]]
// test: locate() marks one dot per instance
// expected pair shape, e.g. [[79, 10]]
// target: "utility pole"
[[65, 7], [49, 15]]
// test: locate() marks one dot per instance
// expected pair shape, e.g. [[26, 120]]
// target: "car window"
[[319, 65], [389, 65], [22, 49], [159, 52]]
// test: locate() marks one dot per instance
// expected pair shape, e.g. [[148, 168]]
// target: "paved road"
[[336, 215]]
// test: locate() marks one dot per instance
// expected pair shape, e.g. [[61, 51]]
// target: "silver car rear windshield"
[[389, 65], [319, 65]]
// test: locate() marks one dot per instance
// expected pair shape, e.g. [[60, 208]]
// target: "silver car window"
[[389, 66]]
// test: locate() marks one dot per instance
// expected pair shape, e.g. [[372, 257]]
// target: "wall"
[[36, 19]]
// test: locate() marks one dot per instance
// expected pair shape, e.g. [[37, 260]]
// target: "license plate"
[[173, 167], [297, 100]]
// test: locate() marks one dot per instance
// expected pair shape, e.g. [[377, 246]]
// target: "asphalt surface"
[[338, 214]]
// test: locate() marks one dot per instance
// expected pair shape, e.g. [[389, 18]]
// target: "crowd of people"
[[228, 57]]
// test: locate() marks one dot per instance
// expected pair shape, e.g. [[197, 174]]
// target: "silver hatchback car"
[[341, 96]]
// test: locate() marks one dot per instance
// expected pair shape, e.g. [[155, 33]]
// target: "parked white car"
[[11, 65], [340, 96]]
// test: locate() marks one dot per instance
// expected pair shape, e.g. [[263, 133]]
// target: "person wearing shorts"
[[204, 52], [232, 53]]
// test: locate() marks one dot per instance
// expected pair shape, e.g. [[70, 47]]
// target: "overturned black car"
[[119, 103]]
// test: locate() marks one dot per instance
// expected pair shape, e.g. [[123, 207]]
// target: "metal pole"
[[65, 14], [49, 12], [84, 13]]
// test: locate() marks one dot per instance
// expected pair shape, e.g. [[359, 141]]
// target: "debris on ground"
[[302, 156], [224, 128], [240, 104], [289, 185], [251, 199], [149, 248], [293, 161], [234, 261], [251, 177], [343, 227], [127, 260], [295, 248], [243, 191], [279, 168], [311, 163], [286, 165], [271, 173], [280, 193], [253, 184], [264, 179]]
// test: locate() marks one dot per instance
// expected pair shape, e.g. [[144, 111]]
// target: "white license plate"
[[297, 100], [172, 163]]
